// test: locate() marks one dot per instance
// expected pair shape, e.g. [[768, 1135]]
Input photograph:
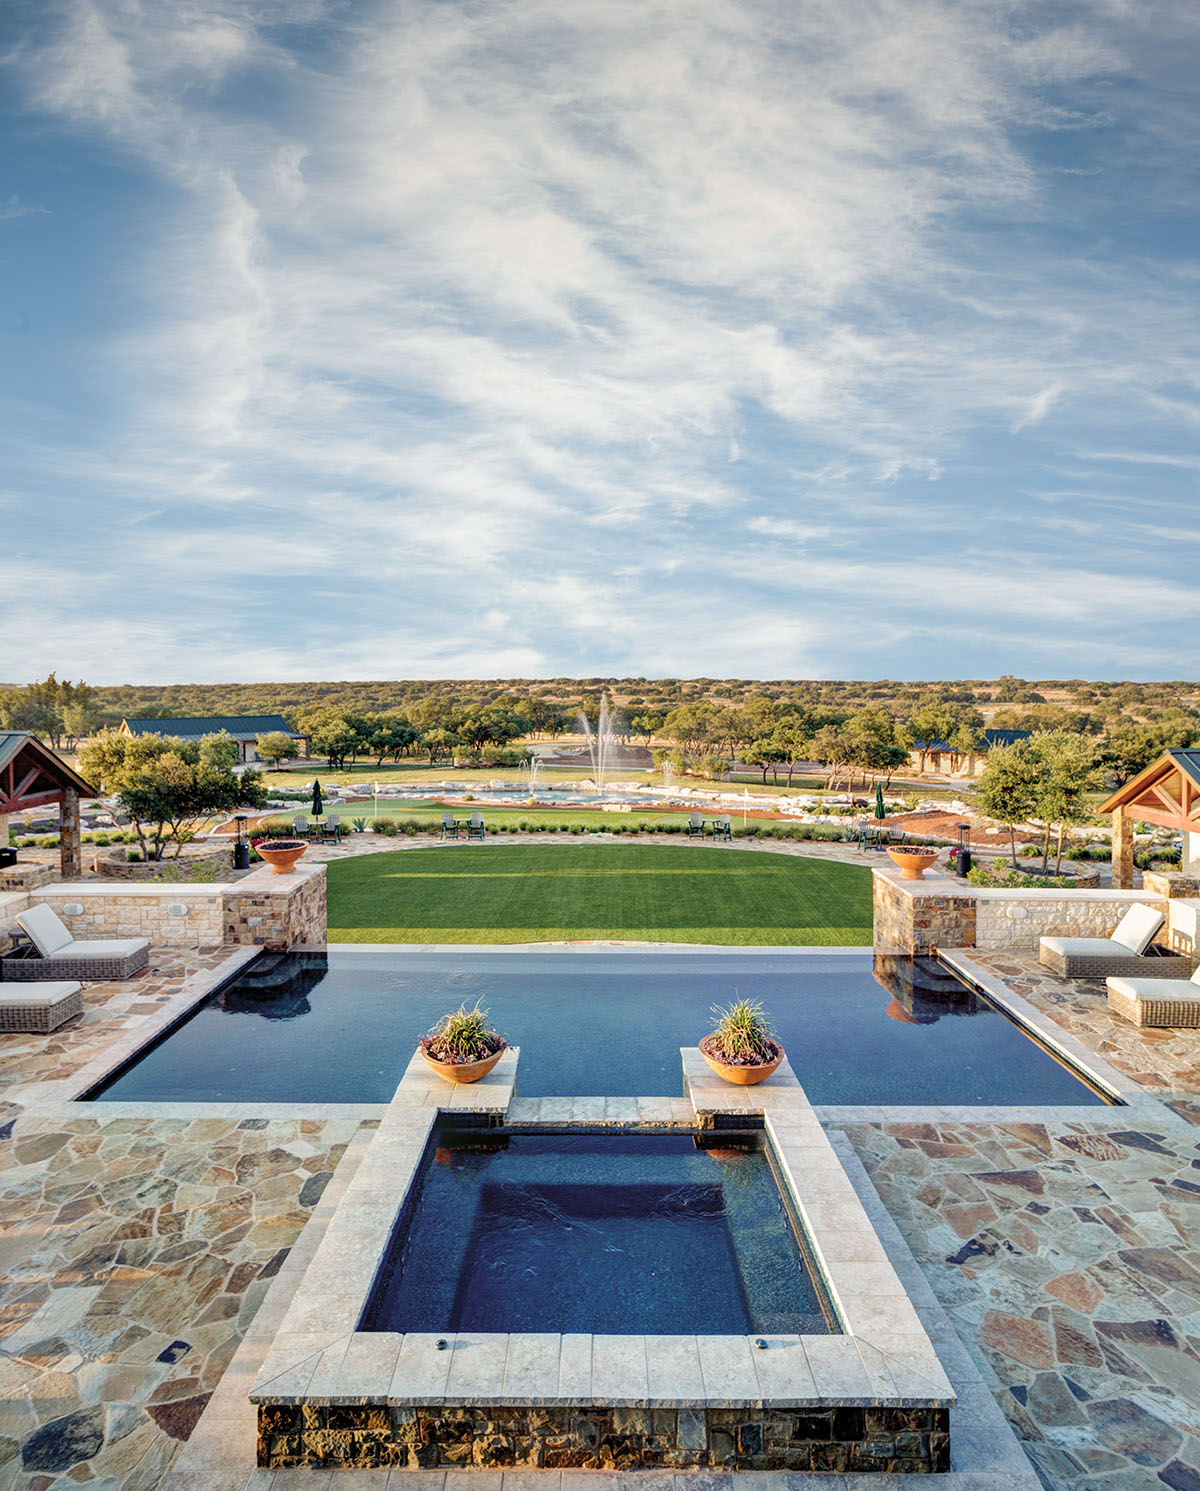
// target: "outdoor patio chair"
[[722, 828], [1173, 1002], [331, 831], [1124, 954], [695, 826], [475, 829], [449, 827], [61, 958], [300, 828]]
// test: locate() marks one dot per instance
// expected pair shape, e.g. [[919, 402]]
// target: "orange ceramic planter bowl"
[[741, 1076], [463, 1071], [282, 854], [913, 863]]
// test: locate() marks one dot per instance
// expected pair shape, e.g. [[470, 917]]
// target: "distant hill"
[[989, 696]]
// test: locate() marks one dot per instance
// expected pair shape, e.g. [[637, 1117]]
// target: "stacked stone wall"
[[900, 1440], [921, 916], [918, 917], [277, 911], [167, 915], [1018, 921]]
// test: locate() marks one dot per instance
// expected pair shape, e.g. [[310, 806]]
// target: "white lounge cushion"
[[1156, 988], [1084, 947], [44, 930], [122, 947], [1137, 928], [38, 995]]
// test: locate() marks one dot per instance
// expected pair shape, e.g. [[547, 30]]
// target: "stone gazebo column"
[[1122, 850], [70, 858]]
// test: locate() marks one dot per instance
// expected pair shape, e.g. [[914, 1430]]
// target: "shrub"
[[386, 827], [359, 825], [1017, 879]]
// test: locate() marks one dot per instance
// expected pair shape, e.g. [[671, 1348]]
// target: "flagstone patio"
[[134, 1253]]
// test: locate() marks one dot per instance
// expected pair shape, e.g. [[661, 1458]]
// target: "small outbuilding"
[[244, 728], [1167, 794], [32, 776]]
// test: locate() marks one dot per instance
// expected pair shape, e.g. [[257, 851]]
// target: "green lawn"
[[632, 892]]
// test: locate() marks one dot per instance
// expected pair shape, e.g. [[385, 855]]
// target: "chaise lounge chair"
[[1156, 1001], [60, 957], [1124, 954]]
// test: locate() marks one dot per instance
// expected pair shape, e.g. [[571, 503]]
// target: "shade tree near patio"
[[166, 786]]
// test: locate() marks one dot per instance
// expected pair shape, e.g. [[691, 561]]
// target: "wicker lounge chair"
[[42, 1009], [1156, 1001], [61, 957], [1124, 954]]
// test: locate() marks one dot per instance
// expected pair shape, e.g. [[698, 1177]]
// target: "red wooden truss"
[[32, 776]]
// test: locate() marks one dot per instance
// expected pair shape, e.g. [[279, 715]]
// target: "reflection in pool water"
[[600, 1023]]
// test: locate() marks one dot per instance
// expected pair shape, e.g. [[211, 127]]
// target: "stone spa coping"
[[882, 1360]]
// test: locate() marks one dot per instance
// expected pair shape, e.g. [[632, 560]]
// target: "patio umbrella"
[[880, 811], [318, 807]]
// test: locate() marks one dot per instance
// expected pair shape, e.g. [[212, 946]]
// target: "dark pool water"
[[856, 1029], [603, 1234]]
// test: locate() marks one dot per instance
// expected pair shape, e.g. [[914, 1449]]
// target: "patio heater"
[[241, 850], [964, 848]]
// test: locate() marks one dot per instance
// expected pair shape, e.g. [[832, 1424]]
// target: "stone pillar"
[[69, 857], [3, 830], [1190, 864], [1122, 850]]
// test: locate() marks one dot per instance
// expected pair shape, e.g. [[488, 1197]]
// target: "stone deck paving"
[[134, 1252]]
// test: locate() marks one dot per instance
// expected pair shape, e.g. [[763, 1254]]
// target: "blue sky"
[[424, 339]]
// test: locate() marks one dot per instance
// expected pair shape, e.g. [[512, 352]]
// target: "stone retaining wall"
[[169, 915], [114, 867], [261, 910], [833, 1439], [919, 916]]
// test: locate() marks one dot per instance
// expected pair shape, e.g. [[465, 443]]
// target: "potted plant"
[[741, 1047], [462, 1046], [280, 854]]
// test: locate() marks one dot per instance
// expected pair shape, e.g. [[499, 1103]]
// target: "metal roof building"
[[244, 728]]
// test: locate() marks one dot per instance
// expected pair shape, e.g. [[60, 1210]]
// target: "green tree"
[[165, 786], [275, 746], [1009, 787], [1068, 772], [392, 734], [219, 749], [439, 743]]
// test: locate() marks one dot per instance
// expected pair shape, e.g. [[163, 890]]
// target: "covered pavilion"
[[1167, 794], [32, 776]]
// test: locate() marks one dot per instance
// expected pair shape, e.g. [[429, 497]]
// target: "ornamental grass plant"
[[462, 1036]]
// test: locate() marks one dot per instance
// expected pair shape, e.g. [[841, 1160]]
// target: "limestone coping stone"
[[882, 1357]]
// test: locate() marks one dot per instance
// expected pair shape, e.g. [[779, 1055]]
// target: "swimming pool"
[[857, 1029]]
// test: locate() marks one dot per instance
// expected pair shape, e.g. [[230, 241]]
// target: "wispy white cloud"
[[449, 297]]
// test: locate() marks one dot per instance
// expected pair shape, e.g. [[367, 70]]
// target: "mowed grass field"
[[624, 892]]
